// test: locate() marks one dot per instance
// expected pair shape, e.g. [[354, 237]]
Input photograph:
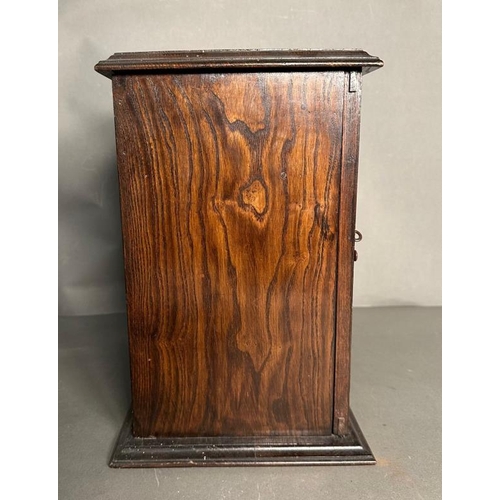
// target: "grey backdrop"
[[399, 202]]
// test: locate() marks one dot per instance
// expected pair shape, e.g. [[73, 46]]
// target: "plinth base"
[[131, 451]]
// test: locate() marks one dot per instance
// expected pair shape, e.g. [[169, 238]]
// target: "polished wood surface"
[[238, 60], [230, 209], [238, 176], [349, 449], [346, 253]]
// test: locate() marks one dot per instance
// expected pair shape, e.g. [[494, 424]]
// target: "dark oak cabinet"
[[238, 173]]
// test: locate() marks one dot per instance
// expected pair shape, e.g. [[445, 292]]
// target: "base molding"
[[130, 451]]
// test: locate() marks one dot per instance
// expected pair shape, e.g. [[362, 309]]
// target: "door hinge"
[[354, 81]]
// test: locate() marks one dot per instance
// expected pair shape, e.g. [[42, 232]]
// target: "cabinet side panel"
[[230, 196], [347, 221]]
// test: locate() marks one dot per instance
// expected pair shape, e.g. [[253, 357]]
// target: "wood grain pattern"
[[230, 209]]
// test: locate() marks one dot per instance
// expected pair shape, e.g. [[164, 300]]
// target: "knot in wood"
[[254, 196]]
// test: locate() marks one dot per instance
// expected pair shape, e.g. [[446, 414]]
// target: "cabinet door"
[[230, 198]]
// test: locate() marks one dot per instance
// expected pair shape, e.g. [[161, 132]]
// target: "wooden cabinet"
[[237, 174]]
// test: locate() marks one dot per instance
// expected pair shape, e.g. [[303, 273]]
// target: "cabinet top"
[[229, 60]]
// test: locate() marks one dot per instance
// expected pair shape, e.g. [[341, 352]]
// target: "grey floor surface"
[[395, 395]]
